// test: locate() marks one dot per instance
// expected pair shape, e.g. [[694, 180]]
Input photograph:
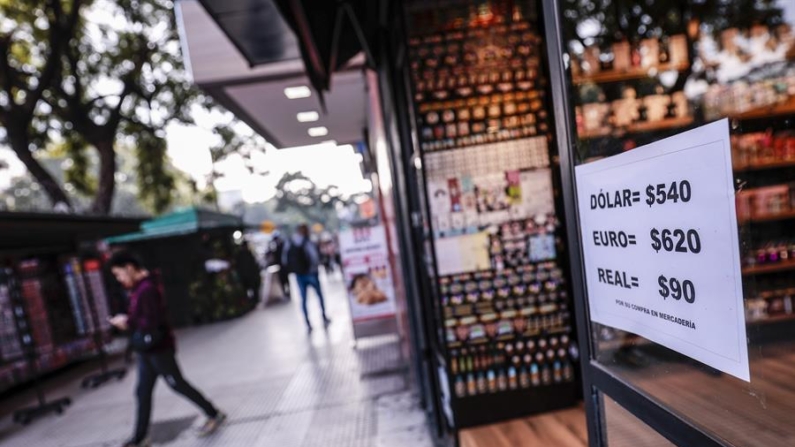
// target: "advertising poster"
[[368, 276], [660, 241]]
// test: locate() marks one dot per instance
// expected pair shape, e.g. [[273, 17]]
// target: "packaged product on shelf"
[[621, 56], [650, 52], [10, 347], [678, 50]]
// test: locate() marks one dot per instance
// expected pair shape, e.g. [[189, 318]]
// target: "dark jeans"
[[152, 365], [304, 283]]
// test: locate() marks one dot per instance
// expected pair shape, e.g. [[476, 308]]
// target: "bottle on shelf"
[[557, 372], [524, 377], [492, 381], [513, 380], [460, 387], [535, 375], [546, 374], [481, 383], [568, 371], [502, 381], [472, 388]]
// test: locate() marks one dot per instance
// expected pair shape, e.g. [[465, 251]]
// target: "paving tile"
[[279, 386]]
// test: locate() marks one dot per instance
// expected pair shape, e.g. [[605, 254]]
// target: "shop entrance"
[[627, 74]]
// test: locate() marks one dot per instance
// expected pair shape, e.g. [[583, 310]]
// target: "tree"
[[24, 194], [122, 77], [32, 36], [89, 75], [296, 191]]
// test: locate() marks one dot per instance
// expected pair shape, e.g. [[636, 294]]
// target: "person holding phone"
[[152, 338]]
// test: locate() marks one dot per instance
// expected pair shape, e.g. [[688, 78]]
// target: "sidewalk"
[[280, 386]]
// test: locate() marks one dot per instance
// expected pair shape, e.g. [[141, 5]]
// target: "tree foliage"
[[91, 75], [298, 192], [33, 34], [123, 77]]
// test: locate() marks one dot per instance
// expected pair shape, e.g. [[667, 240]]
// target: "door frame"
[[596, 379]]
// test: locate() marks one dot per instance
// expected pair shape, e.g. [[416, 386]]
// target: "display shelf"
[[773, 319], [608, 76], [768, 217], [780, 109], [769, 268], [649, 126], [615, 345], [598, 133], [764, 165]]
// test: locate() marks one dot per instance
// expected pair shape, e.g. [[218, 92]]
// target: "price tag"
[[660, 244]]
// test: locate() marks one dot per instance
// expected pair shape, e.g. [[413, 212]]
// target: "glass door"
[[629, 73]]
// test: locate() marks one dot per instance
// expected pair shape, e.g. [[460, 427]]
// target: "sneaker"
[[211, 424], [144, 443]]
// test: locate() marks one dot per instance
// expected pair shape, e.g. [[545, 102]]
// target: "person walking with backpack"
[[153, 340], [302, 258]]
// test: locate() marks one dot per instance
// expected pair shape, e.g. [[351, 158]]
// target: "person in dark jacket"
[[274, 257], [249, 271], [302, 258], [147, 320]]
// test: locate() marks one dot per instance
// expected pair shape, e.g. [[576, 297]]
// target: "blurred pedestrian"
[[249, 271], [302, 258], [327, 253], [274, 257], [152, 337]]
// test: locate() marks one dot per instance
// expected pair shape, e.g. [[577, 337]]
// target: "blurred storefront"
[[219, 281], [480, 119], [54, 297]]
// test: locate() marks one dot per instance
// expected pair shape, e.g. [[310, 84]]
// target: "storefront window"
[[640, 71], [625, 430], [480, 95]]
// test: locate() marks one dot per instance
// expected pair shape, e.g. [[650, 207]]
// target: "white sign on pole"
[[367, 273], [661, 250]]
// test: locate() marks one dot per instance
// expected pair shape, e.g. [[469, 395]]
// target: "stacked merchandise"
[[483, 108], [10, 347], [51, 312], [18, 341], [712, 68], [77, 297], [35, 305], [96, 286], [476, 83], [763, 150]]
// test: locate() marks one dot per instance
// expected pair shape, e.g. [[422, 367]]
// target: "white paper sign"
[[461, 254], [660, 241]]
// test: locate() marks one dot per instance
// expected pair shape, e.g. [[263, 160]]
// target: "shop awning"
[[179, 223], [39, 231], [256, 29], [331, 33], [247, 62]]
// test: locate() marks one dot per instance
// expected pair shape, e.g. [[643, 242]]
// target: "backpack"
[[298, 261]]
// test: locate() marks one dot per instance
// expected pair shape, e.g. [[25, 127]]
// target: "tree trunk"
[[20, 144], [107, 178]]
